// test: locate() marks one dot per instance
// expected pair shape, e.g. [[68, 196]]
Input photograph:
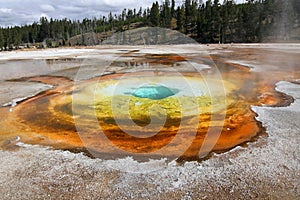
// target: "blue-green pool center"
[[154, 92]]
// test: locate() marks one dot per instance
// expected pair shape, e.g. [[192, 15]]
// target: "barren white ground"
[[266, 169]]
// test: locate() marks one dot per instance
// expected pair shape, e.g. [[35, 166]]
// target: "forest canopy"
[[205, 21]]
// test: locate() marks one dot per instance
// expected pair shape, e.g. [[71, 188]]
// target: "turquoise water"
[[154, 92]]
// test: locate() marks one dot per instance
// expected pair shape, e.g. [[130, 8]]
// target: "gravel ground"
[[13, 92]]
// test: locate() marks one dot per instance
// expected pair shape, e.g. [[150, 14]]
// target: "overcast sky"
[[20, 12]]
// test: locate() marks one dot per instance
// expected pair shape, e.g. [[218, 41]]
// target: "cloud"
[[5, 10], [69, 9], [47, 8], [20, 12]]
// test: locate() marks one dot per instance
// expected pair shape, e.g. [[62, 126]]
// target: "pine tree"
[[188, 16], [154, 15], [166, 15], [173, 8], [44, 29], [208, 37], [180, 18], [1, 40], [200, 24], [216, 22], [194, 14], [16, 37]]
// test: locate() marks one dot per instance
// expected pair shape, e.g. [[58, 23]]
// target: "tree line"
[[205, 21]]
